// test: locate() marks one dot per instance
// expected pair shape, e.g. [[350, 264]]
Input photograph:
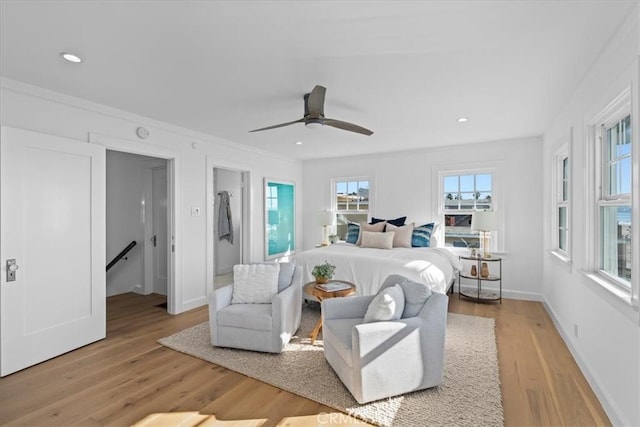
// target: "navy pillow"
[[353, 230], [398, 222], [421, 237]]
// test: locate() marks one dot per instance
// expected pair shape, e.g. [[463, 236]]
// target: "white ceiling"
[[406, 70]]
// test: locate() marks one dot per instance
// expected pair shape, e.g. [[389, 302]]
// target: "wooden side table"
[[310, 289]]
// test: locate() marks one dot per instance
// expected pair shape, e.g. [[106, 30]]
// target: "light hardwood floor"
[[129, 378]]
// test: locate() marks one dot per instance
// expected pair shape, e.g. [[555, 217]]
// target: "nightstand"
[[486, 270]]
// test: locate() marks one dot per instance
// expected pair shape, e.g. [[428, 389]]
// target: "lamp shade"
[[484, 221], [326, 218]]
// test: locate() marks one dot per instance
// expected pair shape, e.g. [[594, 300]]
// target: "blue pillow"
[[353, 230], [421, 237]]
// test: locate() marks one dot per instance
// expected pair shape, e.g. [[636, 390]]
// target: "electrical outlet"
[[575, 330], [195, 211]]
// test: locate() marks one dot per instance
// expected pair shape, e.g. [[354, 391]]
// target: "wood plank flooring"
[[129, 379]]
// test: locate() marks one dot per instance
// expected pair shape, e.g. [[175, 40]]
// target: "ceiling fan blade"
[[278, 126], [315, 102], [347, 126]]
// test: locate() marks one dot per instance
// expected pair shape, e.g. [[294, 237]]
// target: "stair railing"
[[121, 255]]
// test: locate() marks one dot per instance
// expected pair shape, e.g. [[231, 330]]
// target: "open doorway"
[[228, 198], [136, 219]]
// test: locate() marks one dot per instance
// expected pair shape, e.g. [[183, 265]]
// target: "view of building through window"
[[462, 195], [352, 203]]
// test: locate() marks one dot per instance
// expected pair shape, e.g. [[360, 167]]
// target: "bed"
[[368, 267]]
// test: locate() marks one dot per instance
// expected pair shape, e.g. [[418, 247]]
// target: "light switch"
[[195, 211]]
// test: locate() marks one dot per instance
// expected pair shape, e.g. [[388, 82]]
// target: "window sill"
[[618, 298], [563, 259]]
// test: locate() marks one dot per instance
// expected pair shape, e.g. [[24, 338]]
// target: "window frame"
[[595, 172], [560, 202], [334, 198], [495, 243]]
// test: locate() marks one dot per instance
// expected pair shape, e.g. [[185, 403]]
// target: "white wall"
[[40, 110], [607, 346], [124, 221], [228, 254], [406, 183]]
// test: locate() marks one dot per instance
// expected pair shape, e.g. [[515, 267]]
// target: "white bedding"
[[368, 267]]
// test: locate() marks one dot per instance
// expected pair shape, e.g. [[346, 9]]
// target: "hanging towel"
[[225, 225]]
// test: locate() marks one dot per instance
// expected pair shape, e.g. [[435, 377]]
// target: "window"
[[561, 214], [614, 202], [462, 194], [351, 201]]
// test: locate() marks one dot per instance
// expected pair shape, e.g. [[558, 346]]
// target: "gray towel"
[[225, 224]]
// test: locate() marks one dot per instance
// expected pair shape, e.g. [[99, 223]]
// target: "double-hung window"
[[351, 202], [614, 201], [561, 214], [612, 242], [462, 194]]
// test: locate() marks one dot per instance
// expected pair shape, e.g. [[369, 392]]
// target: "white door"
[[52, 223], [159, 221]]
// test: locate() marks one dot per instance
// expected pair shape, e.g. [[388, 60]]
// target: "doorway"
[[228, 208], [227, 223], [136, 218]]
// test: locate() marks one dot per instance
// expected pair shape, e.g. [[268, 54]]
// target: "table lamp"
[[486, 222], [326, 219]]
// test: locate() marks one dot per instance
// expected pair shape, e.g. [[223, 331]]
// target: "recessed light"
[[462, 119], [298, 142], [71, 57]]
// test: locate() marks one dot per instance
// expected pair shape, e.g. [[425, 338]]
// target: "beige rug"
[[469, 396]]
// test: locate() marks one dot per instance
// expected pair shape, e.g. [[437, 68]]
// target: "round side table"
[[311, 289]]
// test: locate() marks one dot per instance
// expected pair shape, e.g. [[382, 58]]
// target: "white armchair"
[[258, 327], [382, 359]]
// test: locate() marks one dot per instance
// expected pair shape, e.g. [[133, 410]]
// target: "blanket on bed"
[[368, 267]]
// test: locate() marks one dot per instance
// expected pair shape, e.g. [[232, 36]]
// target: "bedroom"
[[403, 182]]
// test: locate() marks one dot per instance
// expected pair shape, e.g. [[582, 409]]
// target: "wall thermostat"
[[143, 133]]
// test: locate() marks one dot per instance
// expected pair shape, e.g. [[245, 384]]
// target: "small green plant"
[[324, 271]]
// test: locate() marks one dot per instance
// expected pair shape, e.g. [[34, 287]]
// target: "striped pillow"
[[421, 237], [353, 230]]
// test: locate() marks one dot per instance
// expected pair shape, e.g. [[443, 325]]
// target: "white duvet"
[[368, 267]]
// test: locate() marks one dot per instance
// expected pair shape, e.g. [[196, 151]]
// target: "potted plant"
[[323, 272]]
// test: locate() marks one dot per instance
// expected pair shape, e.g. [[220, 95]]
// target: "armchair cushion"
[[387, 305], [247, 316], [255, 283]]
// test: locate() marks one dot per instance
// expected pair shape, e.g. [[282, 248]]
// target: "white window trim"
[[563, 152], [334, 196], [616, 109], [497, 242]]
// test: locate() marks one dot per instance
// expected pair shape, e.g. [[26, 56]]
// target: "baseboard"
[[607, 403], [191, 304], [507, 293], [138, 289]]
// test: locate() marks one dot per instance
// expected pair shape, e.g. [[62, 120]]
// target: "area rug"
[[469, 396]]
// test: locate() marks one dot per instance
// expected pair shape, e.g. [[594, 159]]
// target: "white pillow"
[[364, 226], [371, 239], [402, 239], [255, 283], [387, 305]]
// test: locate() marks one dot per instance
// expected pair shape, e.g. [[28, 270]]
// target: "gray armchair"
[[258, 327], [383, 359]]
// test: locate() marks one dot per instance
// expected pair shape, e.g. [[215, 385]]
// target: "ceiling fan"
[[314, 115]]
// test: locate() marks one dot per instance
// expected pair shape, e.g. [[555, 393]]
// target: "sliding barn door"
[[52, 228]]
